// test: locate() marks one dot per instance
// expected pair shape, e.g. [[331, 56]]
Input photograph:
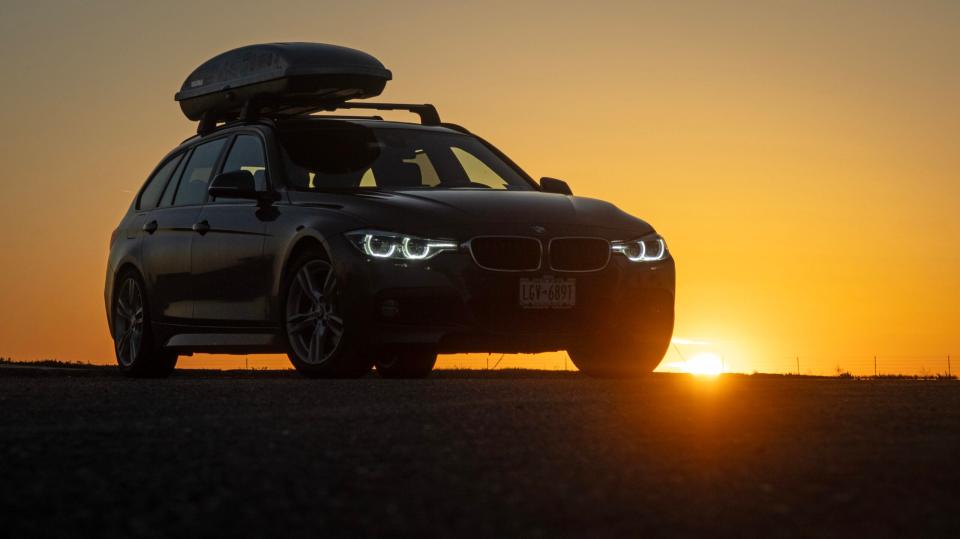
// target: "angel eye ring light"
[[379, 244], [649, 249]]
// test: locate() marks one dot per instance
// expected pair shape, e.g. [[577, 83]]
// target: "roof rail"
[[428, 113]]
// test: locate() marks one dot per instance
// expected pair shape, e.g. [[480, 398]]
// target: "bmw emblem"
[[538, 229]]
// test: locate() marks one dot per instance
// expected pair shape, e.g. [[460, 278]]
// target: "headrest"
[[400, 175]]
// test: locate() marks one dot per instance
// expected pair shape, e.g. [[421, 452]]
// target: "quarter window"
[[196, 176], [171, 189], [150, 196]]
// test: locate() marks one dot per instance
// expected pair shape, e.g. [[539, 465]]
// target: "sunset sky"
[[802, 159]]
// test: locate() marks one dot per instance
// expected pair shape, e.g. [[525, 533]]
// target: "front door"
[[231, 276]]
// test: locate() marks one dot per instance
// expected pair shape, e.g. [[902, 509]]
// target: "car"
[[352, 243]]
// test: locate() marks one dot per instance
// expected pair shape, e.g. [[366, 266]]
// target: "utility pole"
[[798, 365], [948, 365], [874, 366]]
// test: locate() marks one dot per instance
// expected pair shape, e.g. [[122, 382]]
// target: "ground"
[[86, 452]]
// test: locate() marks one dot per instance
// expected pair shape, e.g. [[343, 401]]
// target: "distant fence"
[[870, 365], [855, 365]]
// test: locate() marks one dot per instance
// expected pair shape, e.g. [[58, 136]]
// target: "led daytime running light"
[[625, 248], [377, 244]]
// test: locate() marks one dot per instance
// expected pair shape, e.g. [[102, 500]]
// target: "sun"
[[705, 364]]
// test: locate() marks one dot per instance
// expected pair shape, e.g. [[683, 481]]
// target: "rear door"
[[169, 232], [231, 276]]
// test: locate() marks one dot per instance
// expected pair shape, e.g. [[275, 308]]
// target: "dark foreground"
[[272, 455]]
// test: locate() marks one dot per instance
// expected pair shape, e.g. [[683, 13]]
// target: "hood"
[[480, 211]]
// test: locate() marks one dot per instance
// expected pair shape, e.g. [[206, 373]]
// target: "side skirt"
[[226, 343]]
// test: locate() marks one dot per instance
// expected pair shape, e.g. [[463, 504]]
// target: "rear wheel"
[[320, 340], [404, 362], [612, 358], [138, 353]]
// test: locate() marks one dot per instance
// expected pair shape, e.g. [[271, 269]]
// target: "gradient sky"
[[801, 158]]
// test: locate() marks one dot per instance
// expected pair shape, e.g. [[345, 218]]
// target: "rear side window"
[[196, 176], [150, 196]]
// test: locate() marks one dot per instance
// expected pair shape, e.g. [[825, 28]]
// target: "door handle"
[[150, 227], [202, 227]]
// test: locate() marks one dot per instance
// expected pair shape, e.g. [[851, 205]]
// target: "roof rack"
[[428, 113], [251, 111]]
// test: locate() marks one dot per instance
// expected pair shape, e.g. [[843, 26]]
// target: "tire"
[[610, 358], [322, 341], [405, 362], [138, 354]]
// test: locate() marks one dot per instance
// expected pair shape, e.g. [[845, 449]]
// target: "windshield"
[[349, 156]]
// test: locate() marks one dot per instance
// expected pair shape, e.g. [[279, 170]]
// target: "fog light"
[[390, 308]]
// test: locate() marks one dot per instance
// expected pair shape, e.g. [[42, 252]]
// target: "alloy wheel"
[[314, 324], [128, 322]]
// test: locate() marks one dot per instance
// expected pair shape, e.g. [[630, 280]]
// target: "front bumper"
[[454, 305]]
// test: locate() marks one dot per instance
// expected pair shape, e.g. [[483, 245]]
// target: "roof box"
[[280, 78]]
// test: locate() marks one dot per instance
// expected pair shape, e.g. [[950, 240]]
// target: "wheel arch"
[[126, 265], [305, 240]]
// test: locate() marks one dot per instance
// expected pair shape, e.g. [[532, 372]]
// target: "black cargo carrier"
[[279, 79]]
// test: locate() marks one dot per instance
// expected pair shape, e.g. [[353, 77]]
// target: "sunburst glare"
[[705, 364]]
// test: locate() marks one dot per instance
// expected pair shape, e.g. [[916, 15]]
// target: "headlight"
[[379, 244], [647, 249]]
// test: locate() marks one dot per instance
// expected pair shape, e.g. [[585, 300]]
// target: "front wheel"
[[320, 340], [138, 355], [619, 359]]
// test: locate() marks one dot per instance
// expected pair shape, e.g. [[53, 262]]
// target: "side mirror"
[[553, 185], [238, 184]]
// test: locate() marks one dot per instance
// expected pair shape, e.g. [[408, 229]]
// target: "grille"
[[579, 254], [506, 253]]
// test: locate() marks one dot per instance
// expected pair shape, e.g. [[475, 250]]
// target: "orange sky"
[[802, 160]]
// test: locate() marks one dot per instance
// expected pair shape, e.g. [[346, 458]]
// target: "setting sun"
[[705, 364]]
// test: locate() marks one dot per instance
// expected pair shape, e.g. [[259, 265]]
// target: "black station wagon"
[[350, 242]]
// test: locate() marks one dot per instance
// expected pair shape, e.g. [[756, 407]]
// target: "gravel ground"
[[84, 452]]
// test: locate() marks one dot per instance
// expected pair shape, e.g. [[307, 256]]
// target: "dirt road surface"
[[89, 453]]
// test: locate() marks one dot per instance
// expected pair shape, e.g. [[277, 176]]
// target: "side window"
[[477, 171], [171, 189], [150, 196], [247, 154], [196, 176]]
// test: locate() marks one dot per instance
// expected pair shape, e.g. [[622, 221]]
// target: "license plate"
[[548, 293]]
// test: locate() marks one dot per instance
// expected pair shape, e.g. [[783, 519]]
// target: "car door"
[[230, 272], [169, 232]]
